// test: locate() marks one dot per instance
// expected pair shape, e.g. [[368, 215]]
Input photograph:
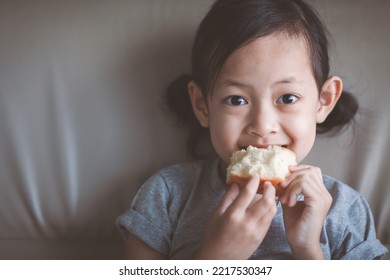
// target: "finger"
[[265, 208], [313, 177], [295, 188], [294, 168], [289, 197], [305, 185], [314, 172], [298, 170], [291, 214], [269, 190], [247, 193], [228, 198]]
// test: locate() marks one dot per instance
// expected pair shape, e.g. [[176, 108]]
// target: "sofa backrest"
[[83, 121]]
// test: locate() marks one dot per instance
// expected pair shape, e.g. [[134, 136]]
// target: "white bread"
[[270, 163]]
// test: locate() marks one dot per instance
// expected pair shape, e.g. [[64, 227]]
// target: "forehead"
[[273, 56]]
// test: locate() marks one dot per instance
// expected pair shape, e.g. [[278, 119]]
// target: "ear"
[[199, 104], [330, 94]]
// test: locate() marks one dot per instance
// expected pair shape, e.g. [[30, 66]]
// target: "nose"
[[263, 121]]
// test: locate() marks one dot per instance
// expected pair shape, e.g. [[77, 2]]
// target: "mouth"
[[263, 146]]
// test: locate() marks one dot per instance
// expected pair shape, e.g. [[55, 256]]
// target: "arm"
[[136, 249]]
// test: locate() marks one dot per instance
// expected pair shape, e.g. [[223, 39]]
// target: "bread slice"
[[270, 163]]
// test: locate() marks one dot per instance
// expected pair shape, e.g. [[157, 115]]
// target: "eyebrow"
[[288, 80], [230, 82]]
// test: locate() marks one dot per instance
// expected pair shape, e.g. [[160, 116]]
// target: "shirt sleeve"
[[148, 217], [359, 240]]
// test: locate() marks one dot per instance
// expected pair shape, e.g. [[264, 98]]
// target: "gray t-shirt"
[[171, 211]]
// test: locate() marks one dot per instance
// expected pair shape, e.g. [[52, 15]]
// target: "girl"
[[260, 76]]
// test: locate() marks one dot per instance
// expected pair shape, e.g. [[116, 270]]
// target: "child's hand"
[[304, 219], [239, 223]]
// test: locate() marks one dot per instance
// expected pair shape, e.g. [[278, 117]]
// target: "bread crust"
[[242, 181]]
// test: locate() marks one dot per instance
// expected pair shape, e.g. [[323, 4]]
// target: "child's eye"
[[236, 100], [287, 98]]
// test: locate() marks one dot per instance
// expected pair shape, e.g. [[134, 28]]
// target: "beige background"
[[82, 123]]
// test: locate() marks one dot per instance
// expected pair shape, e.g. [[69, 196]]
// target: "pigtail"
[[180, 104], [342, 114], [179, 101]]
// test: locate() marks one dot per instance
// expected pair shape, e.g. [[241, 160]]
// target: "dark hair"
[[231, 24]]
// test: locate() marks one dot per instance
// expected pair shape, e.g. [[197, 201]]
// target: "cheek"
[[220, 141], [224, 133], [302, 131]]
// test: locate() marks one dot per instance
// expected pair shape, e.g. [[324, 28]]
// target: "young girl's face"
[[265, 95]]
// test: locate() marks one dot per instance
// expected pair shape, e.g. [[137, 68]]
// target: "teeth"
[[264, 147]]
